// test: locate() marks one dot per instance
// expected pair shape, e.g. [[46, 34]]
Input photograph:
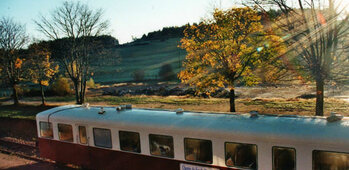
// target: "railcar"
[[131, 138]]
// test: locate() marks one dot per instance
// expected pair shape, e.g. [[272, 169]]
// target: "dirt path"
[[15, 162]]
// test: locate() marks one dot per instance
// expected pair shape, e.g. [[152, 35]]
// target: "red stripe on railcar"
[[98, 158]]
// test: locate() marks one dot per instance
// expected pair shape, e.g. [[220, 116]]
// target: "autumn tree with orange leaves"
[[12, 39], [226, 49], [42, 68]]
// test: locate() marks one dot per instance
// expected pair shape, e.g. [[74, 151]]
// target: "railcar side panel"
[[99, 158], [64, 152]]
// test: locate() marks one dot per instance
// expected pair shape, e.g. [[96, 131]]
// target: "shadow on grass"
[[22, 111]]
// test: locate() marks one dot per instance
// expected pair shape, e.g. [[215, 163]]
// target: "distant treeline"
[[165, 33], [177, 32]]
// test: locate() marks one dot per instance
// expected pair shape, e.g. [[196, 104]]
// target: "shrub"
[[61, 86], [20, 91], [31, 92], [138, 75], [91, 83], [166, 73]]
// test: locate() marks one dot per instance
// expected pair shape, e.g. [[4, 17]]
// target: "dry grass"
[[265, 100], [291, 106]]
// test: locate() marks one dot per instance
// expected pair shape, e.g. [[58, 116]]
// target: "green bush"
[[166, 73], [61, 86], [91, 83], [138, 75]]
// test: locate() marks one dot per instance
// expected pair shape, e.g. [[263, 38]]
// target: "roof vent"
[[86, 105], [334, 117], [253, 114], [119, 108], [101, 111], [179, 111], [123, 107], [128, 106]]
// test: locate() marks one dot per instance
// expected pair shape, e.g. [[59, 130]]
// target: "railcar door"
[[83, 137], [82, 156]]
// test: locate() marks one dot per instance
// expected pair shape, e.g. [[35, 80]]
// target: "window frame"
[[283, 147], [72, 132], [79, 138], [139, 137], [162, 136], [51, 125], [210, 141], [94, 138], [239, 167], [312, 155]]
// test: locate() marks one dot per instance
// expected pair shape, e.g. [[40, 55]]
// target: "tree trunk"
[[232, 100], [319, 97], [76, 88], [83, 91], [15, 95], [42, 95]]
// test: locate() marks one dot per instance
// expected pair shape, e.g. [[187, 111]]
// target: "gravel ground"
[[15, 162], [20, 154]]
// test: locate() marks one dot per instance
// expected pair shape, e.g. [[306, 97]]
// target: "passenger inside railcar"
[[161, 145], [241, 155], [130, 141]]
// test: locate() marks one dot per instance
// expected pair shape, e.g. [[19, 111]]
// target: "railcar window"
[[46, 129], [130, 141], [198, 150], [161, 145], [102, 137], [284, 158], [326, 160], [82, 135], [241, 155], [65, 132]]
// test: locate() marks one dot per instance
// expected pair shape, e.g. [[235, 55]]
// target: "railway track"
[[20, 148], [26, 150]]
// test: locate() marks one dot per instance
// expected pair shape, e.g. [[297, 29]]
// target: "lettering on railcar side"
[[194, 167]]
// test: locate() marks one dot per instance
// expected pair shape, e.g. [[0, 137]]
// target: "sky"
[[128, 18]]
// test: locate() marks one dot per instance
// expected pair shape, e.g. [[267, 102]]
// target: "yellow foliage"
[[226, 49], [18, 63], [44, 82], [42, 68]]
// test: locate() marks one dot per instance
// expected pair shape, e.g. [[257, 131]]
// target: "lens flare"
[[259, 49]]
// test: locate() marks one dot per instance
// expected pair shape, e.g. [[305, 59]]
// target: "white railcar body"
[[304, 134]]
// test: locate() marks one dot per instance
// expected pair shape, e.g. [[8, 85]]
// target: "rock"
[[190, 91], [162, 91], [177, 91], [306, 96]]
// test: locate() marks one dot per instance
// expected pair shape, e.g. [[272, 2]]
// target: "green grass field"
[[123, 61]]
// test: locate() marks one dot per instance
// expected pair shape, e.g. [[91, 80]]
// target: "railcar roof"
[[292, 127]]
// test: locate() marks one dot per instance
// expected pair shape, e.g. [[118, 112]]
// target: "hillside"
[[149, 56]]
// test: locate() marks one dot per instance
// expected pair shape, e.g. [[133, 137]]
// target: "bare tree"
[[12, 38], [77, 23], [316, 33]]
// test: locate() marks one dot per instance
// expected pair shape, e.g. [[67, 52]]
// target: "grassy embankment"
[[265, 106], [149, 57]]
